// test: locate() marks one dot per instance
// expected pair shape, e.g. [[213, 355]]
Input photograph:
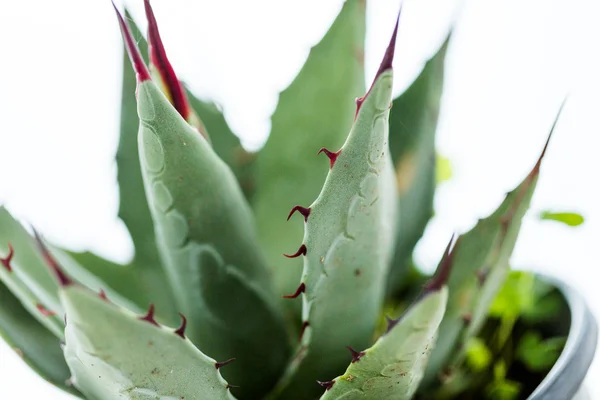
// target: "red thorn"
[[386, 62], [181, 330], [103, 295], [300, 289], [61, 277], [356, 355], [158, 57], [221, 364], [45, 312], [132, 49], [391, 323], [466, 318], [536, 168], [305, 325], [6, 261], [327, 385], [302, 210], [443, 271], [332, 156], [228, 386], [301, 251], [149, 317], [388, 57]]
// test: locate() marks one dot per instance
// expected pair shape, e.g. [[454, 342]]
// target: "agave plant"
[[210, 308]]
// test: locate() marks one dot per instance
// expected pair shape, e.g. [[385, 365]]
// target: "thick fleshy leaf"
[[393, 367], [481, 265], [132, 357], [413, 123], [37, 346], [27, 276], [206, 236], [314, 111], [348, 244]]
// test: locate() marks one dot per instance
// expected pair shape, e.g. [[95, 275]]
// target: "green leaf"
[[314, 111], [516, 295], [567, 218], [443, 171], [503, 390], [393, 367], [478, 355], [348, 245], [481, 265], [413, 123], [29, 281], [37, 346], [206, 236], [130, 358], [538, 354]]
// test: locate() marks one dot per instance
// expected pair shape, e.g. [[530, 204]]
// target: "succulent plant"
[[199, 312]]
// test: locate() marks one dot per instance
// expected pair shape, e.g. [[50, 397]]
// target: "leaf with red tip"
[[206, 237], [413, 125], [385, 65], [164, 73], [105, 358], [62, 278], [132, 49], [314, 111], [393, 367], [351, 226], [301, 252], [29, 278], [480, 261], [297, 293]]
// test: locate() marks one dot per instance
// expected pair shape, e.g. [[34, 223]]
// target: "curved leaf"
[[393, 367], [313, 112], [413, 123], [132, 358]]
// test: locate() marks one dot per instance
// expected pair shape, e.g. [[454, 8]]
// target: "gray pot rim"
[[566, 376]]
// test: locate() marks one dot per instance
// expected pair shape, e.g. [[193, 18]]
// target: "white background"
[[509, 66]]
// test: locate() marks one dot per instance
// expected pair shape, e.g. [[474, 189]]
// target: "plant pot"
[[564, 381]]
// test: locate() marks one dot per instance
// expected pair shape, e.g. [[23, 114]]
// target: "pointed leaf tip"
[[132, 49], [61, 277], [6, 260], [536, 168], [158, 58], [149, 317], [388, 57], [443, 272]]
